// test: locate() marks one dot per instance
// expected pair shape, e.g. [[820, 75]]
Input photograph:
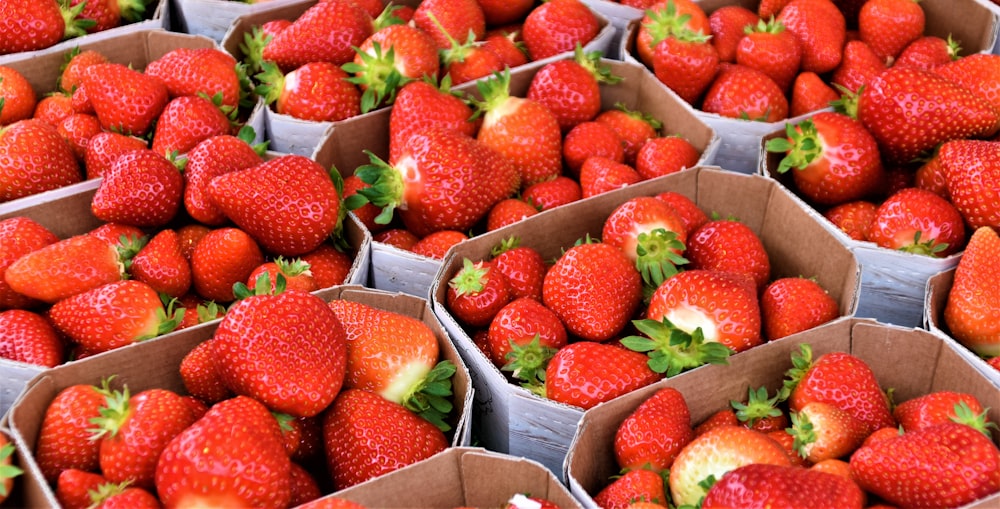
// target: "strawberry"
[[928, 52], [771, 486], [123, 496], [29, 25], [717, 452], [294, 333], [689, 211], [820, 28], [585, 373], [161, 265], [28, 337], [727, 24], [594, 289], [365, 436], [200, 377], [810, 93], [231, 456], [967, 166], [558, 26], [946, 465], [651, 234], [476, 293], [822, 431], [508, 46], [134, 429], [289, 204], [65, 268], [771, 49], [124, 99], [930, 176], [295, 272], [665, 155], [632, 126], [17, 95], [77, 129], [469, 61], [316, 91], [759, 412], [330, 266], [632, 486], [793, 304], [743, 92], [222, 258], [496, 12], [304, 486], [422, 104], [940, 407], [75, 66], [854, 217], [768, 8], [665, 16], [400, 238], [654, 433], [187, 121], [103, 150], [389, 58], [210, 158], [195, 71], [888, 26], [836, 159], [858, 66], [523, 337], [127, 239], [918, 221], [454, 19], [73, 488], [64, 435], [552, 193], [142, 188], [19, 235], [729, 245], [523, 267], [600, 175], [970, 317], [570, 88], [587, 139], [509, 211], [840, 379], [436, 244], [107, 14], [522, 129], [977, 73], [326, 32], [34, 158], [53, 108], [686, 62], [943, 111]]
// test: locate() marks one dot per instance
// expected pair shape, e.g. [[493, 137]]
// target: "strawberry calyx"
[[385, 188], [930, 247], [167, 320], [376, 75], [107, 490], [964, 415], [127, 248], [770, 26], [591, 61], [272, 82], [527, 362], [253, 49], [262, 286], [294, 267], [7, 470], [132, 10], [505, 245], [802, 431], [848, 102], [429, 398], [74, 25], [666, 22], [495, 92], [471, 278], [248, 135], [801, 146], [672, 350], [111, 415], [658, 255], [387, 18], [801, 363], [757, 407], [954, 47]]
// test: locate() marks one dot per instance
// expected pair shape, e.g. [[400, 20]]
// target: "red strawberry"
[[28, 337], [888, 26], [822, 431], [685, 62], [558, 26], [469, 61], [654, 433], [222, 258], [108, 14], [103, 150], [664, 16], [200, 377], [522, 265], [330, 266], [18, 96], [194, 71], [161, 265], [507, 212], [846, 166], [421, 104], [928, 52], [19, 235], [77, 129], [977, 72], [746, 93], [793, 304], [630, 488], [391, 57], [326, 32], [455, 19], [316, 91], [523, 337], [939, 407], [600, 175], [689, 211], [76, 63], [633, 127], [64, 435], [231, 456], [586, 373], [946, 465], [29, 25], [53, 108], [508, 46], [918, 221], [436, 244], [665, 155], [187, 121], [304, 486], [968, 312], [727, 25], [112, 316], [820, 28], [142, 188], [587, 139], [498, 12], [570, 88], [295, 272], [858, 66], [196, 310], [124, 496], [124, 99], [768, 8], [729, 245], [967, 166], [552, 193], [123, 237], [853, 217], [941, 109], [770, 485], [366, 436], [74, 486], [810, 93], [34, 158], [594, 289], [771, 49], [476, 293], [294, 333], [399, 238], [651, 233], [65, 268], [210, 158]]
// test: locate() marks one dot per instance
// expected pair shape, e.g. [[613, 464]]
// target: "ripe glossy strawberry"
[[665, 155], [186, 121], [316, 91], [134, 429], [34, 158], [587, 139], [107, 14], [325, 32], [570, 88], [469, 60], [77, 129], [224, 257], [552, 193], [18, 97], [771, 49], [727, 25], [968, 312], [793, 304], [842, 380], [821, 30], [421, 104], [717, 452], [210, 158], [76, 63], [810, 93], [142, 188], [103, 150], [329, 265], [366, 435], [194, 71], [940, 407], [858, 66], [161, 265], [689, 211], [53, 108], [600, 175], [508, 46], [928, 52], [967, 166], [586, 373], [918, 221], [888, 26], [846, 166], [594, 289], [632, 126], [508, 212], [853, 217], [124, 496], [399, 238], [745, 93], [389, 58], [632, 486], [654, 433], [522, 265], [293, 333], [772, 486], [119, 236], [28, 25], [124, 99], [941, 109], [73, 487], [946, 465], [442, 19], [19, 235], [523, 337], [557, 27], [436, 244], [768, 8], [65, 268], [822, 431], [729, 245], [304, 487], [476, 293], [686, 62], [651, 233], [664, 16], [200, 377], [211, 461], [289, 204], [27, 337], [64, 435], [296, 273], [977, 72]]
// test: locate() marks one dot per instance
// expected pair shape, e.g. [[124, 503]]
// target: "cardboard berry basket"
[[394, 269], [154, 364], [912, 362], [295, 136], [509, 418], [938, 287], [968, 21], [212, 18], [461, 477]]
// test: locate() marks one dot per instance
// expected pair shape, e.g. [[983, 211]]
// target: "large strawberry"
[[558, 26], [231, 456], [969, 312], [969, 167], [64, 435], [476, 293], [289, 204], [65, 268], [631, 486], [651, 233], [34, 158], [142, 188], [210, 158], [28, 337], [124, 99], [390, 58], [942, 406], [287, 350], [978, 72], [918, 221], [685, 61], [450, 19], [316, 91], [522, 265], [326, 32], [366, 435], [771, 49], [194, 71], [421, 104], [188, 120], [570, 88], [586, 373], [888, 26], [27, 25], [655, 432], [821, 30], [666, 16], [783, 486]]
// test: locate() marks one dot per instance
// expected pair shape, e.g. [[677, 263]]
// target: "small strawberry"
[[316, 91], [296, 273], [601, 175], [942, 406], [793, 304], [326, 32], [918, 221], [161, 265], [188, 237], [142, 188], [930, 176], [330, 266], [28, 337], [771, 49], [476, 293], [19, 235], [187, 121], [810, 93], [854, 217], [508, 46], [651, 233], [820, 28], [770, 487], [689, 211], [665, 155], [587, 139], [758, 98], [888, 26], [570, 88], [585, 373], [196, 71], [63, 441], [53, 108], [222, 258], [654, 433], [17, 96], [103, 150], [123, 496], [399, 238], [124, 99], [210, 158], [436, 244], [727, 25], [65, 268], [454, 19], [523, 337], [552, 193], [970, 317], [73, 488], [632, 126], [632, 486], [822, 431], [857, 67], [509, 211], [522, 265], [77, 129], [388, 59], [731, 246], [200, 377], [928, 52], [304, 487], [558, 26], [664, 16], [686, 62], [469, 60], [34, 158]]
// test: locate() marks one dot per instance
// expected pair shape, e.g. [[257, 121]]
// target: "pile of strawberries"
[[290, 398], [29, 25], [827, 438], [664, 290]]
